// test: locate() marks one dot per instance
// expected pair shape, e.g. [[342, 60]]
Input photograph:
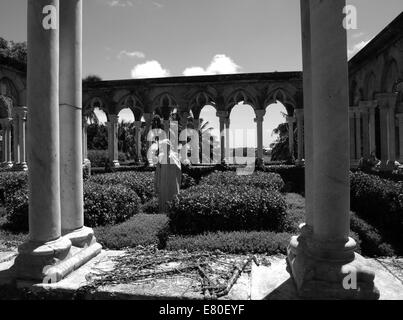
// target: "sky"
[[145, 38]]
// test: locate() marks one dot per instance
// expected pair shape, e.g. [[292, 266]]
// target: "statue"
[[168, 174]]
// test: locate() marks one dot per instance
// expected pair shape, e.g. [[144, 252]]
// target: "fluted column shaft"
[[113, 140], [259, 130]]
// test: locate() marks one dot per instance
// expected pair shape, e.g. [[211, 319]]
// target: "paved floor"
[[269, 280]]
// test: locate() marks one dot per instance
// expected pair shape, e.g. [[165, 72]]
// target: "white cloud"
[[120, 3], [131, 54], [149, 69], [220, 64], [357, 47]]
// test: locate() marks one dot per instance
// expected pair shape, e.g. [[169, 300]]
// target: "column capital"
[[290, 119], [147, 116], [352, 111], [260, 114], [386, 100], [137, 124], [299, 112], [113, 118], [222, 114]]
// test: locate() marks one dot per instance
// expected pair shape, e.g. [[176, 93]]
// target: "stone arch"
[[199, 101], [132, 102], [93, 103], [370, 86], [5, 107], [238, 96], [399, 90], [390, 76], [8, 89], [164, 104], [283, 96]]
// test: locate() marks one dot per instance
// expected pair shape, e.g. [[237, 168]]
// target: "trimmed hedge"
[[11, 182], [380, 202], [140, 182], [259, 180], [372, 243], [263, 242], [227, 208], [108, 204], [151, 207], [142, 229], [99, 158], [293, 176]]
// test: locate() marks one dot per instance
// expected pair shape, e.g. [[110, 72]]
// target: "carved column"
[[352, 136], [223, 116], [45, 246], [358, 142], [137, 128], [400, 121], [16, 138], [86, 161], [299, 114], [387, 104], [259, 129], [22, 115], [321, 258], [8, 163], [364, 109], [113, 140], [228, 156], [372, 135], [290, 121]]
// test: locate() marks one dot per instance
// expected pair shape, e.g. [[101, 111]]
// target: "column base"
[[34, 259], [81, 238], [388, 166], [300, 163], [52, 262], [20, 167], [7, 165], [115, 164], [329, 278]]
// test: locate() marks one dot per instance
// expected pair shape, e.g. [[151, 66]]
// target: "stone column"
[[387, 103], [16, 138], [321, 260], [7, 143], [196, 126], [71, 124], [113, 140], [86, 161], [45, 246], [352, 136], [400, 120], [3, 154], [372, 136], [228, 156], [364, 109], [259, 129], [358, 133], [290, 121], [222, 115], [22, 114], [137, 128], [308, 114], [299, 114]]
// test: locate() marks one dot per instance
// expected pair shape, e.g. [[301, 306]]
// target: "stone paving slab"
[[269, 281]]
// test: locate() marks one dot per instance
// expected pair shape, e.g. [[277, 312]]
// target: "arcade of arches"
[[323, 253], [376, 104]]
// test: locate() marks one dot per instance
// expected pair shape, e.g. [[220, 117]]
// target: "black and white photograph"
[[211, 156]]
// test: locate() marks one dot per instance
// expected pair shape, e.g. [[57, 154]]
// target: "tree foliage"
[[13, 54]]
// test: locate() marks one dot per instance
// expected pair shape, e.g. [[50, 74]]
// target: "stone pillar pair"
[[299, 115], [113, 152], [367, 109], [400, 122], [7, 159], [290, 122], [56, 218], [322, 258], [387, 106], [19, 134], [259, 129], [137, 128], [224, 134]]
